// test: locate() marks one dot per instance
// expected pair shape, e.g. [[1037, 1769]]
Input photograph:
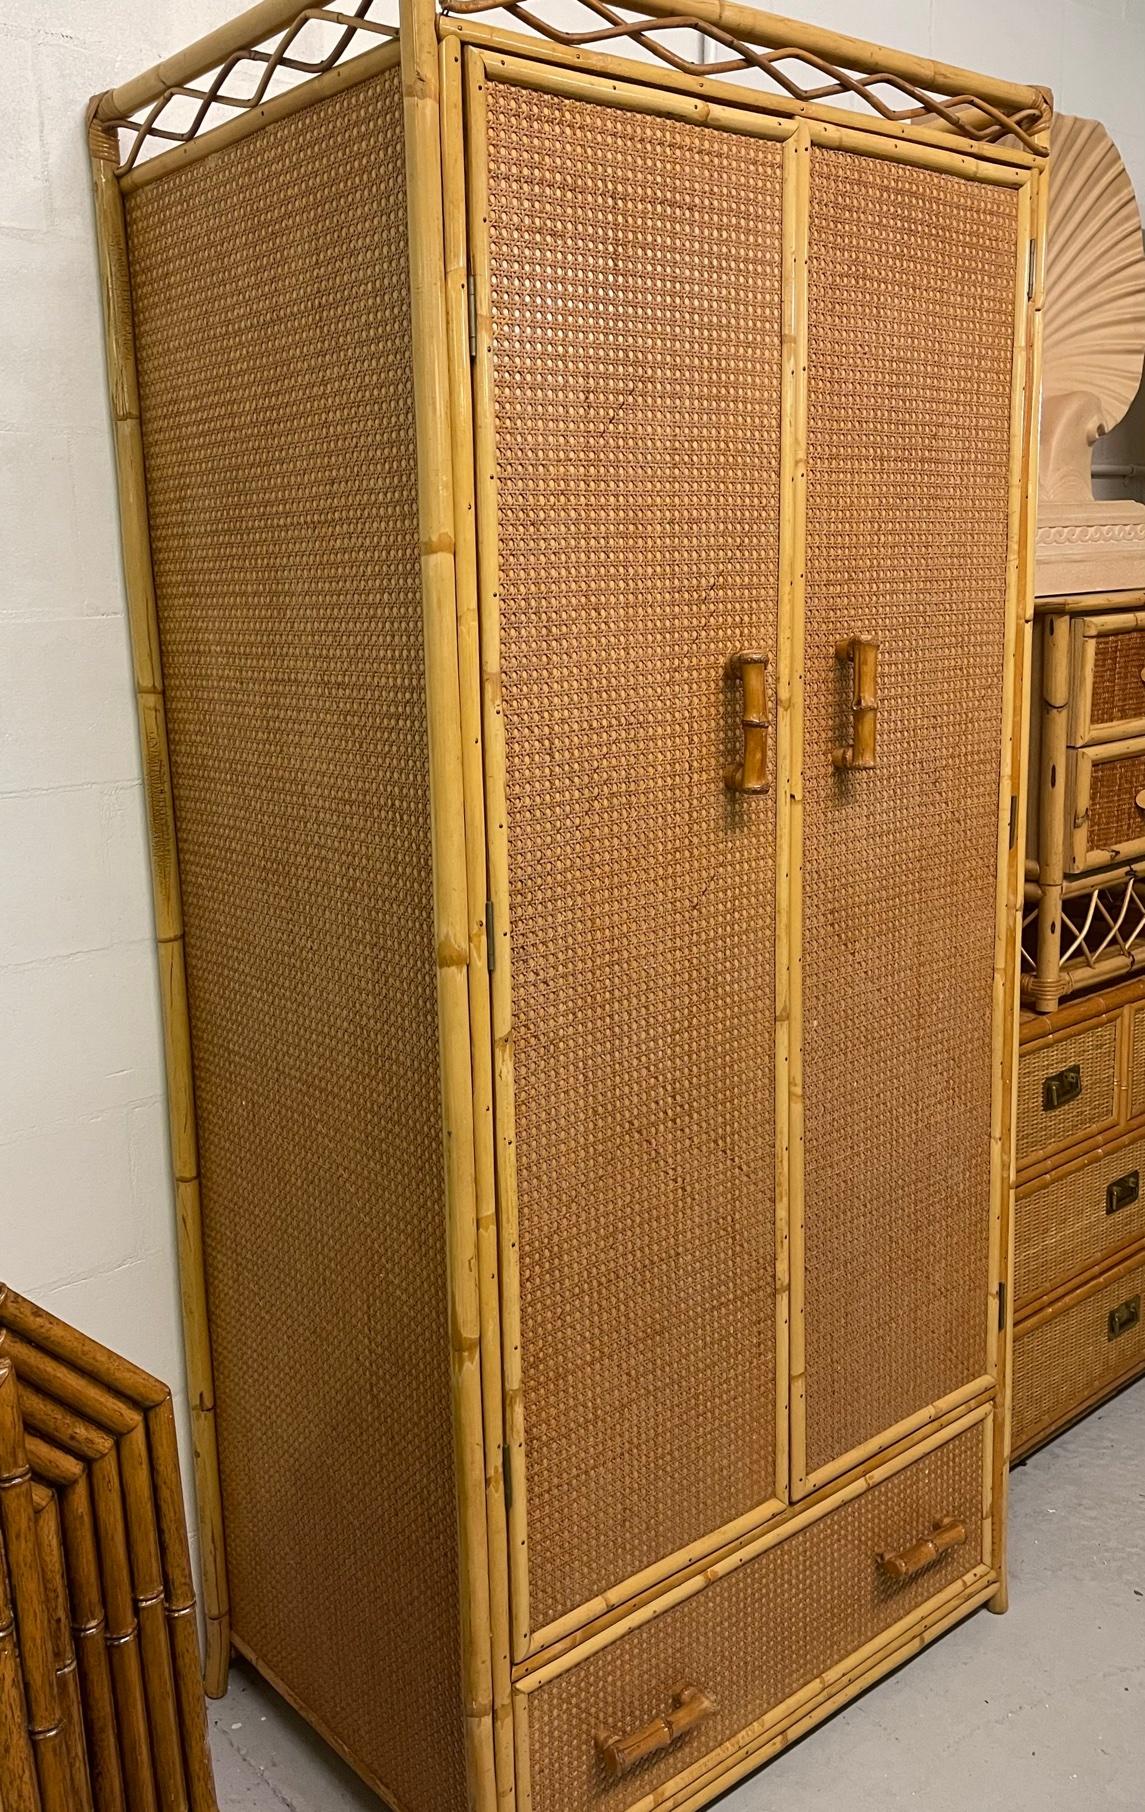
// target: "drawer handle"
[[862, 656], [1125, 1316], [1123, 1192], [946, 1534], [690, 1706], [1064, 1086], [750, 774]]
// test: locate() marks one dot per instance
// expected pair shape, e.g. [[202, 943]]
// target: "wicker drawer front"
[[1076, 1219], [1067, 1090], [752, 1638], [1076, 1355], [1105, 805], [1107, 691]]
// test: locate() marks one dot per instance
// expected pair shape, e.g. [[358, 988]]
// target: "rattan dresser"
[[580, 674]]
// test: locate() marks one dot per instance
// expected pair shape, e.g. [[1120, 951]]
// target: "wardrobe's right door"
[[912, 421]]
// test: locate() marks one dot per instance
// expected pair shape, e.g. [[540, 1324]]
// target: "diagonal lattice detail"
[[335, 33]]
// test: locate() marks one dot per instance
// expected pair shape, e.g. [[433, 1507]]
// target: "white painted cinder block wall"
[[85, 1206]]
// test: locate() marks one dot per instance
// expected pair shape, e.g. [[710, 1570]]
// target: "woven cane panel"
[[1137, 1061], [1114, 814], [271, 292], [1070, 1359], [754, 1637], [1039, 1128], [1118, 677], [636, 319], [1065, 1227], [911, 325]]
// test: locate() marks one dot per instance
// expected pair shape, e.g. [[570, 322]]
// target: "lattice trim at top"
[[178, 111]]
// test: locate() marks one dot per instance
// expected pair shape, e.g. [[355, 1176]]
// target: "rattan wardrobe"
[[575, 507]]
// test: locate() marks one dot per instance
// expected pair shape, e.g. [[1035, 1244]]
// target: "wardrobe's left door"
[[628, 266]]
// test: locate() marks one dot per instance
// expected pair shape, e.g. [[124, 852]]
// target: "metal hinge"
[[490, 950], [471, 286], [1032, 270], [507, 1472], [1001, 1308]]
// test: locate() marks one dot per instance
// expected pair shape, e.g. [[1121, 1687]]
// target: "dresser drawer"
[[1067, 1090], [1076, 1354], [1105, 805], [1107, 682], [752, 1638], [1076, 1218]]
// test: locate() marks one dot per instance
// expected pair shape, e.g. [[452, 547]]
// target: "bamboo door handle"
[[750, 774], [946, 1534], [690, 1706], [862, 656]]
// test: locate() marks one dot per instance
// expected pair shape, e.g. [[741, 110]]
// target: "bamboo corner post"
[[123, 390]]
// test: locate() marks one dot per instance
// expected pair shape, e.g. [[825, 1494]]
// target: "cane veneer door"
[[913, 281], [629, 279]]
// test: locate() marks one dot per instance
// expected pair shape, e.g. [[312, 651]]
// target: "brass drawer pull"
[[863, 657], [1123, 1192], [1064, 1086], [1125, 1316], [750, 776], [946, 1534], [690, 1706]]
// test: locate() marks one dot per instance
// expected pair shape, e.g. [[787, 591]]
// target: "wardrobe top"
[[712, 47]]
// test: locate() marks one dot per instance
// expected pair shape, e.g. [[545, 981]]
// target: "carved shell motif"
[[1094, 320]]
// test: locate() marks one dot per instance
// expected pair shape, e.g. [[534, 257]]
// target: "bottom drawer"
[[750, 1639], [1076, 1354]]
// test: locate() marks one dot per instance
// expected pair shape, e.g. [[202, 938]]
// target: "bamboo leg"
[[148, 1590], [52, 1566], [180, 1605], [123, 1635], [89, 1629], [18, 1790]]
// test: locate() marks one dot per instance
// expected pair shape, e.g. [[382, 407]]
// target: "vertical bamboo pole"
[[1054, 703], [793, 558], [139, 581], [1030, 311], [497, 844], [18, 1790], [481, 1033], [421, 91], [54, 1570]]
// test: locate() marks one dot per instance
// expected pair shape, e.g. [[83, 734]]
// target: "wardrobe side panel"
[[911, 327], [271, 292]]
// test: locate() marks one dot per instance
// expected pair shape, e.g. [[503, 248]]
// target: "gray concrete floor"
[[1042, 1710]]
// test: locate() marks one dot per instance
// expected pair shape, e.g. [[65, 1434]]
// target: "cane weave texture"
[[1094, 1051], [1115, 818], [822, 1589], [911, 330], [271, 296], [1069, 1360], [1118, 689], [104, 1672], [635, 269], [1137, 1061], [1064, 1227]]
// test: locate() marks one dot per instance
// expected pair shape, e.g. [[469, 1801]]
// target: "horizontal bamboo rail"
[[770, 30]]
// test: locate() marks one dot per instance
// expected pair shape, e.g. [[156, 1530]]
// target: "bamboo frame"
[[139, 582], [1084, 633], [480, 1006], [437, 523]]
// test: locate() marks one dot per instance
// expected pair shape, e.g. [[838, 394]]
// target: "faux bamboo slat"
[[898, 1151], [130, 1731], [285, 543], [627, 580]]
